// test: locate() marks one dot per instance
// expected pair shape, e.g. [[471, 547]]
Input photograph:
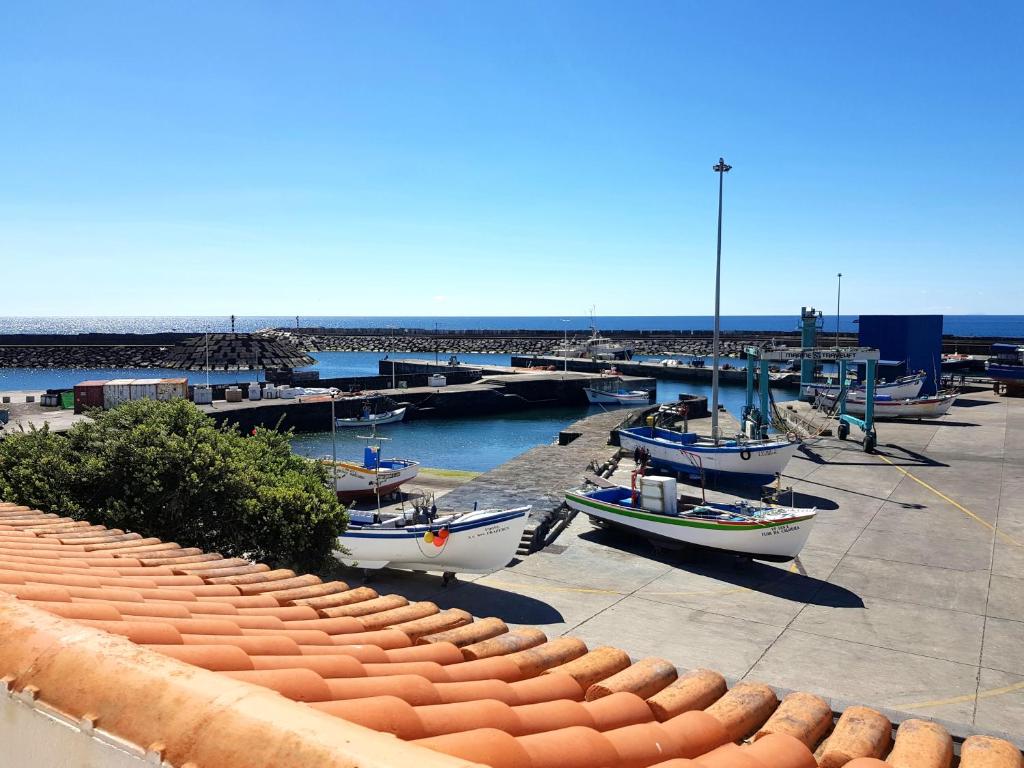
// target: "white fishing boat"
[[596, 347], [374, 477], [376, 419], [469, 542], [759, 531], [899, 389], [889, 408], [617, 395], [693, 454]]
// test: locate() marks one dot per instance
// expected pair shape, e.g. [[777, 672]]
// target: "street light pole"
[[839, 293], [721, 169], [334, 442]]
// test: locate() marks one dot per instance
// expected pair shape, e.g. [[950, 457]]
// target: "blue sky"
[[422, 158]]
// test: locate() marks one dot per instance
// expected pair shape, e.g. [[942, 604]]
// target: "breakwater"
[[109, 350]]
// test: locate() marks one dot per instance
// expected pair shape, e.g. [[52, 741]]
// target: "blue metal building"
[[914, 339]]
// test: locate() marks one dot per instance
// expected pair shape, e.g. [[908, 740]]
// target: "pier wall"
[[505, 394]]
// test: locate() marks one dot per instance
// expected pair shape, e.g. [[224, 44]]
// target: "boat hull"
[[775, 541], [354, 481], [388, 417], [478, 542], [902, 389], [914, 408], [739, 459], [636, 397]]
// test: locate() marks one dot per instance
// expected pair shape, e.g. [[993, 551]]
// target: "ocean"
[[1005, 326]]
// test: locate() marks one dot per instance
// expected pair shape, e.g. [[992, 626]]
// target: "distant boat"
[[469, 542], [1006, 364], [901, 388], [756, 530], [385, 417], [617, 396], [374, 477], [596, 347], [693, 454], [889, 408]]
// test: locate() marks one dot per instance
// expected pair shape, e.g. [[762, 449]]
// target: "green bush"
[[164, 469]]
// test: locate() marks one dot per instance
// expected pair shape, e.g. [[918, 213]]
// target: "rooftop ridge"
[[217, 663]]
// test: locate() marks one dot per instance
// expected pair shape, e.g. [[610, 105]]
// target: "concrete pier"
[[909, 596], [736, 373], [491, 394]]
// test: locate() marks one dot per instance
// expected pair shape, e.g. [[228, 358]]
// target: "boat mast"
[[721, 170]]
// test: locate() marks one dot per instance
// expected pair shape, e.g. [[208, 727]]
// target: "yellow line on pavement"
[[590, 591], [943, 496], [961, 699]]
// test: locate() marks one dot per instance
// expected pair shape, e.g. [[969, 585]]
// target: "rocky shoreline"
[[159, 351]]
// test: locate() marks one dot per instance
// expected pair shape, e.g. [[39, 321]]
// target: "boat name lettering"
[[788, 528]]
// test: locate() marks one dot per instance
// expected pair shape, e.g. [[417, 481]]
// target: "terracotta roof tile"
[[282, 669]]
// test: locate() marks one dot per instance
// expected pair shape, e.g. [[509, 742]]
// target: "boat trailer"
[[756, 420]]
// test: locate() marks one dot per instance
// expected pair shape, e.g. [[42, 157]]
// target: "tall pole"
[[207, 358], [839, 293], [435, 343], [565, 346], [721, 169], [334, 443]]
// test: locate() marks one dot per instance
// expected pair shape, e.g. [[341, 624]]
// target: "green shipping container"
[[67, 400]]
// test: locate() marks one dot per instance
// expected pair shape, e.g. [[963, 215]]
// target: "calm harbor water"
[[478, 443]]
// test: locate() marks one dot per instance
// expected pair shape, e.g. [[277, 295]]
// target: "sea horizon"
[[1005, 326]]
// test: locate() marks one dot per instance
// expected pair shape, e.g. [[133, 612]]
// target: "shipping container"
[[89, 394], [115, 392], [172, 389], [143, 389]]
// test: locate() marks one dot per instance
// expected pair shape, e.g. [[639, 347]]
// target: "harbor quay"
[[908, 597], [491, 394]]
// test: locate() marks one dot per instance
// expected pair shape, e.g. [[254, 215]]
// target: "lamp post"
[[435, 343], [721, 169], [334, 442], [839, 293]]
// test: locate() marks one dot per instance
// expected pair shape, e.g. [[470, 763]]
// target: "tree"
[[165, 469]]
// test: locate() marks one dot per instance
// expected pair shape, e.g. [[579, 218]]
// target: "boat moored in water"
[[375, 419], [617, 395], [469, 542], [755, 530]]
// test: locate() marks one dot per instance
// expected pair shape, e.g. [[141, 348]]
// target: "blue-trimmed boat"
[[1006, 365], [694, 454], [470, 542]]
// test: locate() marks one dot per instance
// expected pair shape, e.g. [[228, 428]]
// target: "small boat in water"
[[374, 477], [889, 408], [755, 530], [693, 454], [617, 396], [469, 542], [366, 418]]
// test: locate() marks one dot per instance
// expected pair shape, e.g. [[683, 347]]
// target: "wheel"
[[447, 578], [869, 443], [843, 431]]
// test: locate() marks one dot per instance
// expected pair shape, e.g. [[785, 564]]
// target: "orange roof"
[[222, 663]]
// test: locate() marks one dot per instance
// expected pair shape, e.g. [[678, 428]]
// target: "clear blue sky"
[[509, 158]]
